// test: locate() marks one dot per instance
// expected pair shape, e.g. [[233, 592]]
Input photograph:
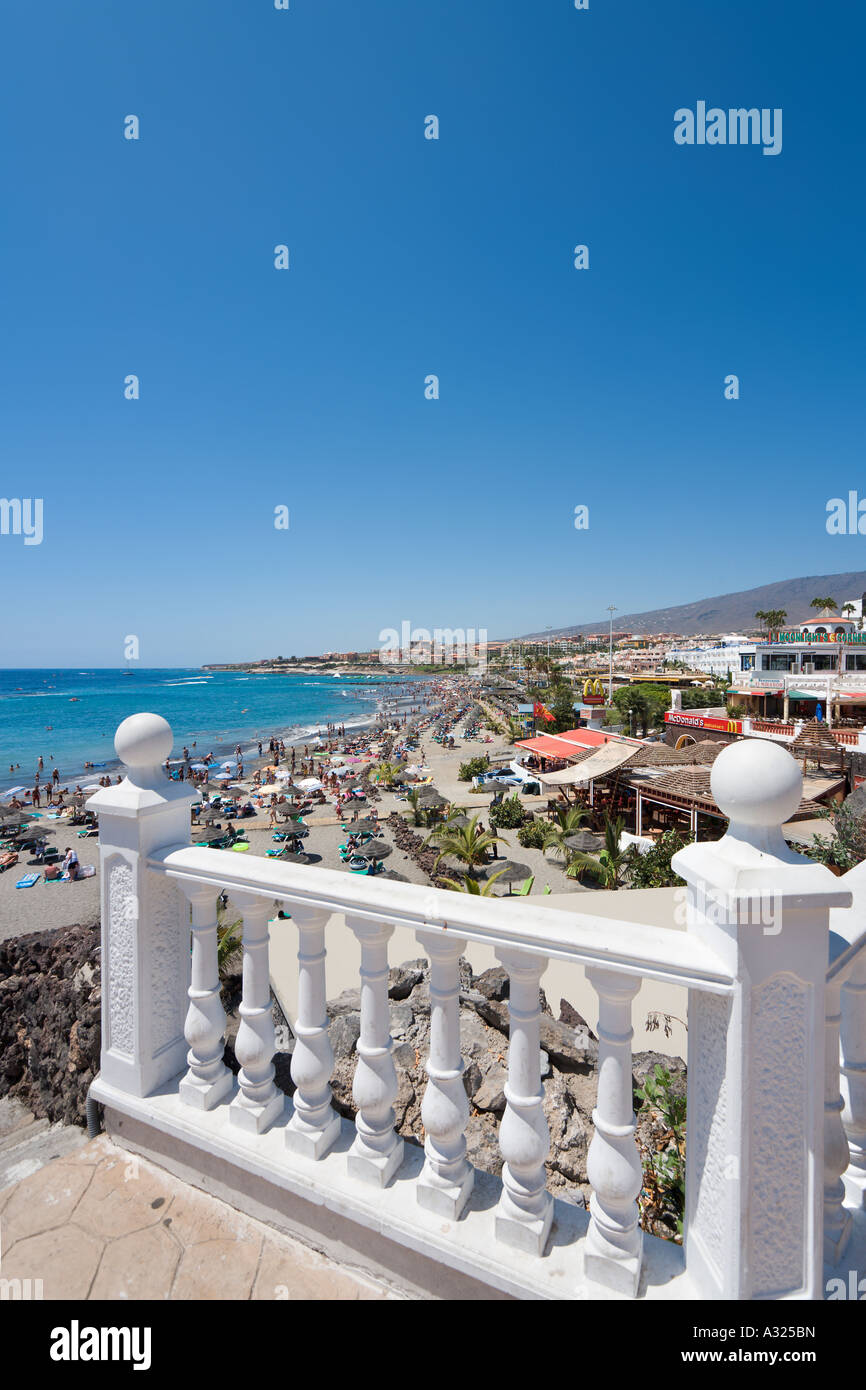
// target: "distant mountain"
[[729, 612]]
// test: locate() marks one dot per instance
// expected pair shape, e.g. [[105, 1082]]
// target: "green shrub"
[[531, 835], [473, 768], [653, 869], [507, 814]]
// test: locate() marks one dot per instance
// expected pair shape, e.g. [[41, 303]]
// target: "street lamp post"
[[611, 609]]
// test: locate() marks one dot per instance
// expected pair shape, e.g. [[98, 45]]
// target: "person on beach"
[[70, 864], [36, 795], [55, 776]]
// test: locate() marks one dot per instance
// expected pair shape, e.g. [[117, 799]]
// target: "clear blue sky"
[[408, 257]]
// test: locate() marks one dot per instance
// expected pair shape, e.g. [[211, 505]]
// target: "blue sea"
[[69, 717]]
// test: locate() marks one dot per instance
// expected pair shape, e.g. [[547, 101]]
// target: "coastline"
[[268, 716]]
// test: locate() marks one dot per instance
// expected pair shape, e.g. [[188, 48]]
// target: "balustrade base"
[[312, 1143], [528, 1234], [836, 1239], [444, 1198], [254, 1117], [378, 1169], [855, 1188], [386, 1231], [204, 1095], [621, 1273]]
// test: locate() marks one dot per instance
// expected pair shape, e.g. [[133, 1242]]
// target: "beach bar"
[[774, 959]]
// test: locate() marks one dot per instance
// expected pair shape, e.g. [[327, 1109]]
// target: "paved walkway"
[[102, 1223]]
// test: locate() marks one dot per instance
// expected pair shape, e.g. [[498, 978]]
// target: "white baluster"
[[315, 1124], [208, 1080], [259, 1102], [525, 1210], [377, 1151], [614, 1241], [853, 1082], [446, 1179], [837, 1221]]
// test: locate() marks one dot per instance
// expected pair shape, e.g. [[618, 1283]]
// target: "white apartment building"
[[717, 658]]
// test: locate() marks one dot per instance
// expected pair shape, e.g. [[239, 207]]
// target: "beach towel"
[[28, 881]]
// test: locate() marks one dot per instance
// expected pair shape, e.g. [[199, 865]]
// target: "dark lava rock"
[[50, 1020]]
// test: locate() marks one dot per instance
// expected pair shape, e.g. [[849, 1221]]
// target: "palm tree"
[[825, 603], [514, 729], [568, 822], [386, 773], [849, 608], [414, 799], [771, 618], [229, 943], [464, 842], [608, 868], [471, 885]]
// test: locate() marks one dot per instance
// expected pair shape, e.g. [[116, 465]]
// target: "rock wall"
[[50, 1020]]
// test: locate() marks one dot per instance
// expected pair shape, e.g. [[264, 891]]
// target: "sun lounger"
[[28, 880]]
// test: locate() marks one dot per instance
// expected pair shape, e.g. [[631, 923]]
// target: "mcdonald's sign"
[[593, 692]]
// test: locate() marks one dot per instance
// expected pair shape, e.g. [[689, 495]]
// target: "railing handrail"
[[658, 953]]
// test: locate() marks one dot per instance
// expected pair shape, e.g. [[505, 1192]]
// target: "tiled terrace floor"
[[100, 1223]]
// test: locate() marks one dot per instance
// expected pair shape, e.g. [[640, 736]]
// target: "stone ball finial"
[[756, 783], [144, 740]]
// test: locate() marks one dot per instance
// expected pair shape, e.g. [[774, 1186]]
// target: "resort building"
[[816, 668], [718, 658]]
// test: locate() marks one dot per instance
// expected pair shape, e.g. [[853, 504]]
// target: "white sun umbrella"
[[310, 784], [283, 774], [13, 791]]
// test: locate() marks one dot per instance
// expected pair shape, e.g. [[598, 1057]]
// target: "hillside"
[[729, 612]]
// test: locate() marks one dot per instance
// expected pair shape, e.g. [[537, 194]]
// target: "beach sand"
[[51, 905]]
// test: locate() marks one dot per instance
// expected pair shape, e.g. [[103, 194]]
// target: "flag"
[[541, 712]]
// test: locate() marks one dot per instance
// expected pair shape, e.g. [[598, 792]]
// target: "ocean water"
[[69, 717]]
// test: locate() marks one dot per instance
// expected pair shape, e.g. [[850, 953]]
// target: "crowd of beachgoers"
[[276, 782]]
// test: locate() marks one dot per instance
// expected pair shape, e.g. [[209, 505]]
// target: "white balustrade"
[[208, 1080], [768, 1113], [377, 1151], [525, 1209], [447, 1178], [853, 1081], [614, 1242], [258, 1103], [315, 1124], [837, 1221]]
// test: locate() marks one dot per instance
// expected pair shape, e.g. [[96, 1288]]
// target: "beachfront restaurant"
[[656, 788], [817, 668]]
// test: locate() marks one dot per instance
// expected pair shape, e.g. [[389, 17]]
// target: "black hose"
[[93, 1112]]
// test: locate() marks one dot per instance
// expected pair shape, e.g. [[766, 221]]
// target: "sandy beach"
[[49, 905]]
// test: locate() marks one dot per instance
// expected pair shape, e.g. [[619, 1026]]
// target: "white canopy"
[[604, 759]]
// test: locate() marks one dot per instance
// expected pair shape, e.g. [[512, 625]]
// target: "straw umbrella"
[[376, 849], [509, 873]]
